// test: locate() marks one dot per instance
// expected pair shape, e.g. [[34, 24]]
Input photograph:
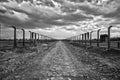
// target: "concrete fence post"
[[79, 38], [23, 37], [85, 38], [15, 38], [35, 38], [30, 38], [38, 37], [98, 34], [88, 37], [91, 38], [82, 38], [0, 31], [118, 44], [30, 35], [109, 36]]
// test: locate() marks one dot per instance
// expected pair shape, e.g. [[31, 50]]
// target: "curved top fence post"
[[38, 36], [109, 36], [0, 31], [23, 37], [85, 38], [88, 36], [30, 35], [91, 38], [98, 34], [15, 38]]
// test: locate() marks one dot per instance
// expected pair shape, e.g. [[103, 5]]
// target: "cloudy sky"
[[61, 18]]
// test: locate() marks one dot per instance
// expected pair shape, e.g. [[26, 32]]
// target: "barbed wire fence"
[[105, 38], [12, 37]]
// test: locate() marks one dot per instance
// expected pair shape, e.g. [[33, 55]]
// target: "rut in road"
[[60, 62], [57, 63]]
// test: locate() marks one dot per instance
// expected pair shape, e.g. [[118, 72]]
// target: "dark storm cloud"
[[88, 10], [49, 13], [76, 17], [2, 11], [42, 17], [3, 0], [115, 14]]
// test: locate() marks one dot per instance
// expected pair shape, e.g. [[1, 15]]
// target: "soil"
[[60, 61]]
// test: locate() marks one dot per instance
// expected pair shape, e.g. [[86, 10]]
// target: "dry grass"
[[105, 63]]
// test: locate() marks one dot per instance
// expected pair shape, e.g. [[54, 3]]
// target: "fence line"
[[88, 41], [19, 38]]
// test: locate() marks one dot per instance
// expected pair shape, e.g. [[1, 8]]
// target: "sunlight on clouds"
[[21, 16], [10, 4], [60, 18], [113, 6], [55, 32]]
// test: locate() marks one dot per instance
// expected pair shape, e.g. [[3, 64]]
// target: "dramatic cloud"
[[54, 17]]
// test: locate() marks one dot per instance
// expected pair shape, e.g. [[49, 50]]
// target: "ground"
[[61, 61]]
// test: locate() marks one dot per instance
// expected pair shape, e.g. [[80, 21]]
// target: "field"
[[60, 61]]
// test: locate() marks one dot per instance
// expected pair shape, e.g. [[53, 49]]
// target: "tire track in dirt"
[[59, 63]]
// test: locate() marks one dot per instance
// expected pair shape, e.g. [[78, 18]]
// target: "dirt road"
[[59, 63]]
